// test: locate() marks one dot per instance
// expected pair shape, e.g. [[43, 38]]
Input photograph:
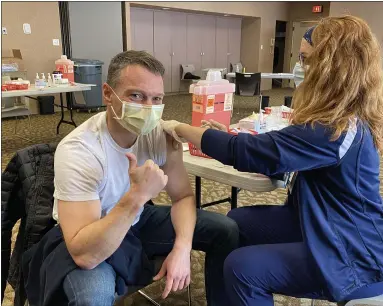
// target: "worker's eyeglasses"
[[302, 59]]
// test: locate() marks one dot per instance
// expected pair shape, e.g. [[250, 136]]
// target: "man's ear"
[[107, 94]]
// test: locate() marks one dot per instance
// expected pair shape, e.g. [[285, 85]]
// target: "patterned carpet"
[[42, 129]]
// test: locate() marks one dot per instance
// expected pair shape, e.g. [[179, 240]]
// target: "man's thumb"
[[132, 160], [160, 274]]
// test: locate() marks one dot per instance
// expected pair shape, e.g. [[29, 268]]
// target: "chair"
[[288, 101], [189, 68], [247, 84], [238, 67], [372, 301], [158, 261]]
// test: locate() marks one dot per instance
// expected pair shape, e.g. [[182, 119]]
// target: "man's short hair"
[[132, 57]]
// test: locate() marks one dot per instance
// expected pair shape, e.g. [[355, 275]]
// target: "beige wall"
[[37, 49], [371, 12], [268, 12]]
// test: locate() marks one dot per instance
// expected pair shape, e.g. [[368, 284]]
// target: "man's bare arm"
[[183, 211], [89, 239]]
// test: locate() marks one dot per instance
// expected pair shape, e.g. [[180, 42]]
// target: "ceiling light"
[[165, 8]]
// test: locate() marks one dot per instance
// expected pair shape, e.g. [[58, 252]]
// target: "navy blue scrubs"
[[327, 241]]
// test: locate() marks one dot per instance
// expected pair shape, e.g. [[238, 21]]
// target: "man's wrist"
[[183, 244], [133, 199]]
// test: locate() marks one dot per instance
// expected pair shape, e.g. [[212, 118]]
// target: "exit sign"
[[317, 8]]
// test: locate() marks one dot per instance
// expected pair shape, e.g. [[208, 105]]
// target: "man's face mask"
[[138, 118]]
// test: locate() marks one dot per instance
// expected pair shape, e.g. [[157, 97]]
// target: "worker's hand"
[[176, 268], [146, 181], [169, 128], [212, 124]]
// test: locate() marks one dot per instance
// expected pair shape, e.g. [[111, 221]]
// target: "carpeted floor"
[[42, 129]]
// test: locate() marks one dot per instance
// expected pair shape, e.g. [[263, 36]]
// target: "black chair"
[[265, 102], [247, 84], [288, 101]]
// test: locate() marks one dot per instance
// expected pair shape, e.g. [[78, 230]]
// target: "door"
[[208, 41], [142, 29], [178, 32], [234, 29], [193, 42], [221, 42], [163, 44]]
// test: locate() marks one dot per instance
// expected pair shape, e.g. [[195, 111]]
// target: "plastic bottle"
[[43, 77], [65, 66], [39, 83], [49, 80], [212, 99], [37, 78]]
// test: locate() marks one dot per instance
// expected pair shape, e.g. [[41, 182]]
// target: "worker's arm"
[[295, 148], [91, 239], [183, 213]]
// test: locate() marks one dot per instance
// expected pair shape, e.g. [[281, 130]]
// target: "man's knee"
[[91, 287], [224, 229]]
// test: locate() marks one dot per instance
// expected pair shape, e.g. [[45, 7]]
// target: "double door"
[[200, 43]]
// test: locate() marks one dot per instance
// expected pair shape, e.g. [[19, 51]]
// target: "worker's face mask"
[[138, 118], [299, 74], [299, 70]]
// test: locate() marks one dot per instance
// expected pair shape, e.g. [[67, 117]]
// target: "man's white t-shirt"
[[90, 165]]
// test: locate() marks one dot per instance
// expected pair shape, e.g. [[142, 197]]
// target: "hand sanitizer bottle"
[[49, 80]]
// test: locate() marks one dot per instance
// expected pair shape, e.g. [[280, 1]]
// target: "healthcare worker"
[[304, 51], [327, 241]]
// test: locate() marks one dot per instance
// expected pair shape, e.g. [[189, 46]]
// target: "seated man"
[[108, 168]]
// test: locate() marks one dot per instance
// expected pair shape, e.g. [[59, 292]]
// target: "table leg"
[[69, 106], [198, 191], [234, 197], [62, 113], [71, 109]]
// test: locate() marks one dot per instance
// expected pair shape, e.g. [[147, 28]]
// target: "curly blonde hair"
[[343, 78]]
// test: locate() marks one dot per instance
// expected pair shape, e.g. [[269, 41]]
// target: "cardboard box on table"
[[12, 56]]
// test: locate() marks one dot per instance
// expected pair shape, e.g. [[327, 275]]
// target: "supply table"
[[214, 170], [32, 91]]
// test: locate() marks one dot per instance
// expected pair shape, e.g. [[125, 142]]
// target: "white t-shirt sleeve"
[[78, 173]]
